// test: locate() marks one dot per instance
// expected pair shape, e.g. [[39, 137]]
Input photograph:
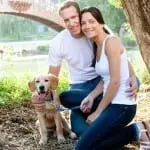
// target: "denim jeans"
[[73, 97], [110, 131]]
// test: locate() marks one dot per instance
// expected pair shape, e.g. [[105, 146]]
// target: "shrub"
[[24, 52], [13, 91], [145, 77], [63, 85], [127, 41]]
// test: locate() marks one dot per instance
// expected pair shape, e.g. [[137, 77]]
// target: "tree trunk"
[[138, 14]]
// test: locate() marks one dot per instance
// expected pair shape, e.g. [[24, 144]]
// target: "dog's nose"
[[41, 88]]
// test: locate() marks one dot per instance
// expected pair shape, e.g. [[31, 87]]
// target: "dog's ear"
[[31, 85], [53, 81]]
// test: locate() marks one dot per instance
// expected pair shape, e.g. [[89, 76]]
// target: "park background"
[[26, 44]]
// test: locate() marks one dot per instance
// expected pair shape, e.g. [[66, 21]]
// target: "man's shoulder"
[[61, 35], [59, 40]]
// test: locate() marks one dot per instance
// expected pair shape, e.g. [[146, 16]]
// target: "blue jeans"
[[109, 130], [73, 97]]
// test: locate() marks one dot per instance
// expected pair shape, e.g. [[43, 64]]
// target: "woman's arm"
[[98, 90], [113, 50]]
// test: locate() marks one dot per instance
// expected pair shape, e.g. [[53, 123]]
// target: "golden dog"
[[45, 86]]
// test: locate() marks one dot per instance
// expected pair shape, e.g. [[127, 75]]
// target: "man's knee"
[[78, 122], [72, 98], [64, 98], [78, 130]]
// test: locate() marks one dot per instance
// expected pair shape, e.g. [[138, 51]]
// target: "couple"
[[97, 63]]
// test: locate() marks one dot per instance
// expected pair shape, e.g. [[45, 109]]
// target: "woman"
[[116, 110]]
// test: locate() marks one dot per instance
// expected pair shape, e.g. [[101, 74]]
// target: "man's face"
[[71, 20]]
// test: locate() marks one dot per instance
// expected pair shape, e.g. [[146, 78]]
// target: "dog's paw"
[[61, 139], [43, 141], [73, 135]]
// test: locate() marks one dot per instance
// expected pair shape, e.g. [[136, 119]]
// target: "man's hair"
[[68, 4]]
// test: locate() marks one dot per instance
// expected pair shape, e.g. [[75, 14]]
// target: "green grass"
[[13, 91]]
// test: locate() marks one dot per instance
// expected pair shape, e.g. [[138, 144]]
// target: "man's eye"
[[46, 80], [37, 81], [74, 17], [91, 21], [82, 23], [66, 20]]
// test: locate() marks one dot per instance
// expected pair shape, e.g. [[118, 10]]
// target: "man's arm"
[[131, 71], [54, 70]]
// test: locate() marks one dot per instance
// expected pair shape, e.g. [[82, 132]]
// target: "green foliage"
[[144, 76], [63, 78], [130, 42], [14, 28], [13, 91], [25, 52], [116, 3], [63, 85]]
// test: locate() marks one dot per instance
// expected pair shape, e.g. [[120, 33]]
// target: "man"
[[72, 46]]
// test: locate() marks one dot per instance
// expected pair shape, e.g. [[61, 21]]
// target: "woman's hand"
[[92, 117], [87, 104]]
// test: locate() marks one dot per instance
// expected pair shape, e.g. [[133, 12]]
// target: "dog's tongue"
[[42, 95]]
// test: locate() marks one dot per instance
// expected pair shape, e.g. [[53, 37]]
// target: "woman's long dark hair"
[[95, 12]]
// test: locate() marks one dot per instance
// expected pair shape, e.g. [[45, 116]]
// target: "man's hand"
[[37, 102], [133, 87], [87, 104]]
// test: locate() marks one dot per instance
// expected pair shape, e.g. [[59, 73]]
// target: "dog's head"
[[43, 84]]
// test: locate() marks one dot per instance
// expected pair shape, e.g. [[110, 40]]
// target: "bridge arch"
[[41, 15]]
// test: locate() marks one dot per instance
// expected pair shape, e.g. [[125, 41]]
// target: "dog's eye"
[[46, 80], [37, 81]]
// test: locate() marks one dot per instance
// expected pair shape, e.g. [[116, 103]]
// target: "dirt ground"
[[18, 131]]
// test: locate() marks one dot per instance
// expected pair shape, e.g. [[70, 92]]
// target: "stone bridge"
[[38, 10]]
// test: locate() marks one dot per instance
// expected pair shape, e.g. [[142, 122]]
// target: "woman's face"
[[90, 26]]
